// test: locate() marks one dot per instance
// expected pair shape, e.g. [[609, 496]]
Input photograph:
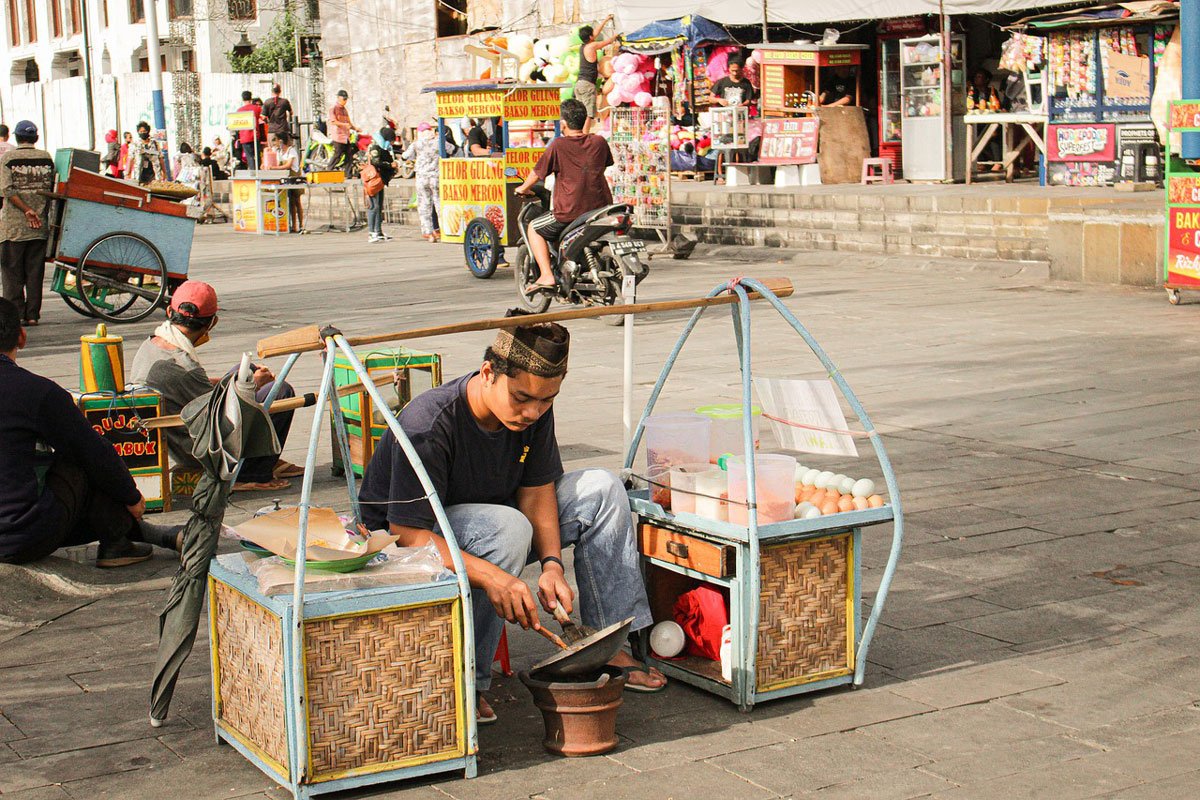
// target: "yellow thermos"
[[101, 362]]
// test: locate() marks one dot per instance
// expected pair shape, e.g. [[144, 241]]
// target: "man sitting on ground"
[[487, 442], [167, 363], [85, 495]]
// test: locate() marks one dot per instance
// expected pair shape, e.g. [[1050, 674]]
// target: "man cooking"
[[488, 444]]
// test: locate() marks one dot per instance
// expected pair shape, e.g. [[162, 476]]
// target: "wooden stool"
[[885, 170]]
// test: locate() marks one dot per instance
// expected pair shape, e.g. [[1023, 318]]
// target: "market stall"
[[1101, 67], [1181, 248], [639, 139], [259, 201], [791, 75], [478, 204]]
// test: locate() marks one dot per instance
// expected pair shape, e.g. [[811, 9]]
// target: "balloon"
[[605, 66], [521, 46], [558, 47], [643, 100], [756, 57]]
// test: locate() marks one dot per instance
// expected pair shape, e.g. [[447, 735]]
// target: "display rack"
[[641, 146]]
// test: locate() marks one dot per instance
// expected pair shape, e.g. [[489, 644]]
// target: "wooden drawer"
[[687, 551]]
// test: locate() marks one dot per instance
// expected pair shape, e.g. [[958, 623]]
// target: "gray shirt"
[[29, 172], [180, 379]]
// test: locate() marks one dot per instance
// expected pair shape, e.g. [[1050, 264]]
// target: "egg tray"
[[639, 501]]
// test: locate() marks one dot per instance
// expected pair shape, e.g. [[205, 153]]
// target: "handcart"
[[477, 203], [1181, 249], [118, 249]]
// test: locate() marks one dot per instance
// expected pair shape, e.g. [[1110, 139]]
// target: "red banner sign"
[[1183, 245], [1082, 143], [789, 141]]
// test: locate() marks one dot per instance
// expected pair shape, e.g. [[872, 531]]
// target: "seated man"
[[87, 493], [487, 441], [577, 160], [167, 363]]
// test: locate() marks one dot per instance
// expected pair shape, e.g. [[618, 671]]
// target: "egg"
[[829, 507], [823, 480], [847, 486], [875, 501], [817, 497], [863, 488], [860, 503], [800, 470], [810, 477], [846, 504], [836, 481], [812, 513], [802, 509]]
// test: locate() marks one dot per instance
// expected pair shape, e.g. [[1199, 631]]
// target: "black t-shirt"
[[836, 89], [476, 136], [466, 464], [276, 111], [733, 92]]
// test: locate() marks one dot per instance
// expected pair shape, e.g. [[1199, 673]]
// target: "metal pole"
[[156, 84], [85, 20], [947, 90], [629, 292], [1189, 40], [764, 24]]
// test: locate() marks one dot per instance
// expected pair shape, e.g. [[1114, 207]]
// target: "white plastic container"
[[683, 485], [672, 440], [726, 433], [727, 654], [775, 481], [711, 488]]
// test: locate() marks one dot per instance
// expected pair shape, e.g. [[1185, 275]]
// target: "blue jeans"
[[594, 517], [375, 213]]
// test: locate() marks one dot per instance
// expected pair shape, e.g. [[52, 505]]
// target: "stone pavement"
[[1040, 639]]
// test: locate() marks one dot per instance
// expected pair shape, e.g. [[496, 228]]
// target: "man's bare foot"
[[484, 715], [639, 677]]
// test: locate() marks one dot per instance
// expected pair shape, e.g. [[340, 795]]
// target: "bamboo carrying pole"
[[308, 339]]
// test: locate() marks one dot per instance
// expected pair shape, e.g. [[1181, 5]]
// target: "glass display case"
[[922, 86], [890, 107]]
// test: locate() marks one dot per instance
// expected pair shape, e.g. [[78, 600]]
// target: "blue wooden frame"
[[745, 585]]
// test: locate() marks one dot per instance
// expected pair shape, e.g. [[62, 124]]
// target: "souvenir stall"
[[1101, 74], [1181, 250], [640, 142], [1016, 112]]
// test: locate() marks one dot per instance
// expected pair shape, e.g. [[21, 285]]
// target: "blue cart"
[[118, 250]]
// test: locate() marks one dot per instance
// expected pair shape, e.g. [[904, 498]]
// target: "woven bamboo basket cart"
[[794, 589]]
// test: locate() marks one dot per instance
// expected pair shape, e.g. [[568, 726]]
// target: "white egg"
[[863, 488], [812, 513], [847, 485], [836, 482], [802, 509], [667, 639], [823, 480], [810, 477], [800, 470]]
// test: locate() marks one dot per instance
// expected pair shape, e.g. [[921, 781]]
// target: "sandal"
[[286, 469], [534, 288], [637, 687], [274, 486], [480, 719]]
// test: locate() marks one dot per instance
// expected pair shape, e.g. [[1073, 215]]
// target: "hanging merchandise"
[[640, 142]]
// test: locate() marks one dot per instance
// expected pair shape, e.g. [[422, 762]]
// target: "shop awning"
[[1111, 14], [633, 14], [665, 35]]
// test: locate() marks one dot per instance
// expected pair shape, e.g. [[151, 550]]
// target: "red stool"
[[502, 655]]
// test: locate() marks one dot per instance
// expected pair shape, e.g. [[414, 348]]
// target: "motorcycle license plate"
[[628, 246]]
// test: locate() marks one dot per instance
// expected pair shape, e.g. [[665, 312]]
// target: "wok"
[[587, 656]]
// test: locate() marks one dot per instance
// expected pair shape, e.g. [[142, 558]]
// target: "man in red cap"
[[167, 362]]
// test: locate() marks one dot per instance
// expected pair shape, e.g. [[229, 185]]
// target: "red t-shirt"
[[578, 164], [339, 133], [247, 137]]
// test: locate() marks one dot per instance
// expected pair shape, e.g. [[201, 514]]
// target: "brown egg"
[[829, 507], [846, 504], [875, 501], [861, 504], [817, 497]]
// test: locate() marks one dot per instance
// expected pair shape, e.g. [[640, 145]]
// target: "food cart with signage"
[[477, 203], [792, 75], [1181, 250]]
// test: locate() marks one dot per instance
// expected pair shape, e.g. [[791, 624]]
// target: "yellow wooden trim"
[[258, 752], [413, 761], [803, 679]]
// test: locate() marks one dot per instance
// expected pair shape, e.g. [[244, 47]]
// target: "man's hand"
[[512, 600], [553, 589], [32, 218], [138, 510], [262, 376]]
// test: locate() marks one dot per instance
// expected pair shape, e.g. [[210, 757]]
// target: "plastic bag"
[[393, 566]]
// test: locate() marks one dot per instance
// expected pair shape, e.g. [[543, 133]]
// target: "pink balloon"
[[643, 100]]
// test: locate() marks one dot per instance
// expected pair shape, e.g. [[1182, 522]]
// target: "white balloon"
[[666, 639], [863, 488]]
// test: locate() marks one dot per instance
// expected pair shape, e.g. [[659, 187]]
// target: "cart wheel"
[[121, 277], [1174, 297], [525, 270], [481, 245]]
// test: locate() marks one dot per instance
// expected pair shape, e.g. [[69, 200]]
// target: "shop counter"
[[258, 199], [1017, 131]]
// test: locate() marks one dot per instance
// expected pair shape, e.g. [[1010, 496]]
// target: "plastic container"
[[726, 433], [775, 477], [711, 492], [683, 485], [673, 440], [727, 654]]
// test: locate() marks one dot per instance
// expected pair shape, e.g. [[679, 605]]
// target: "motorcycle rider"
[[577, 160]]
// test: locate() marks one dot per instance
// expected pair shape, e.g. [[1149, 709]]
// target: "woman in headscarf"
[[424, 150], [379, 156], [112, 156]]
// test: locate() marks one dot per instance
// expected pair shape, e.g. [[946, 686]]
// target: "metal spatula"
[[571, 631]]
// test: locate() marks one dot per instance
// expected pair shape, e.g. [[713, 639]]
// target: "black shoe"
[[168, 537], [122, 553]]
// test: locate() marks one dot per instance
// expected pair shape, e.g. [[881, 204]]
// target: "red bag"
[[703, 614], [371, 180]]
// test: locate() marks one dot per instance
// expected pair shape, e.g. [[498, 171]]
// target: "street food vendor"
[[487, 442], [838, 89], [167, 362], [80, 493]]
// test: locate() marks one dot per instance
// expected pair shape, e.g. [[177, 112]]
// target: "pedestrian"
[[145, 162], [221, 156], [5, 144], [249, 138], [339, 121], [262, 122], [111, 161], [288, 157], [185, 165], [278, 112], [26, 177], [209, 162], [379, 156], [80, 494], [424, 151], [589, 66], [126, 140]]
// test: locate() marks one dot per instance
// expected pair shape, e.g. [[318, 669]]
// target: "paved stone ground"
[[1040, 639]]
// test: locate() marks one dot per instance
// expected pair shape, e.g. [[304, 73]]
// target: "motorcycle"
[[589, 260]]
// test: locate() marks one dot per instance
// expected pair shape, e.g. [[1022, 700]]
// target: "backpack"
[[371, 181]]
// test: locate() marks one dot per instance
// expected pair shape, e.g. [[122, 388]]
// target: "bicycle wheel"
[[481, 246], [121, 277]]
